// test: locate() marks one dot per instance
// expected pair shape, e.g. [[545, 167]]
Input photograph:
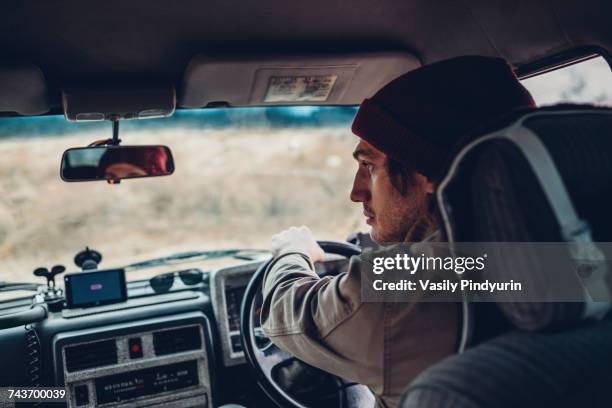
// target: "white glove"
[[296, 239]]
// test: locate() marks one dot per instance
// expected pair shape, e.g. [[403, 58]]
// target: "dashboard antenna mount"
[[50, 274]]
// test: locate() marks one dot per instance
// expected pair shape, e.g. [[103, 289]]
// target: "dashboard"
[[158, 361], [181, 348]]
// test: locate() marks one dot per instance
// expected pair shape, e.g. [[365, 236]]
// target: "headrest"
[[579, 139], [492, 194]]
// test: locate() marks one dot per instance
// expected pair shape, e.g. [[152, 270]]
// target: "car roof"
[[73, 40]]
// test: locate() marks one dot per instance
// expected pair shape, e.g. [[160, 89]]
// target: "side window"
[[588, 81]]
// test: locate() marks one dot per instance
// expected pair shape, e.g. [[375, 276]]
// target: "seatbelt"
[[587, 257]]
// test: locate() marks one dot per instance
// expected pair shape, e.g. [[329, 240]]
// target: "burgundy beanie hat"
[[421, 117]]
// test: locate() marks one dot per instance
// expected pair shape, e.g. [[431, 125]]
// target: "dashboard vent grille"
[[177, 340], [89, 355]]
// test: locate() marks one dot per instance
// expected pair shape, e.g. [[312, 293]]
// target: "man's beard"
[[402, 225], [393, 231]]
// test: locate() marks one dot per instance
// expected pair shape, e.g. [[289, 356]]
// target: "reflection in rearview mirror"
[[114, 163]]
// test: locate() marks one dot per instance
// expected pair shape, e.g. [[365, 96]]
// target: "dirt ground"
[[231, 188]]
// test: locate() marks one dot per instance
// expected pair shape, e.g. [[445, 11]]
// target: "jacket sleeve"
[[322, 320]]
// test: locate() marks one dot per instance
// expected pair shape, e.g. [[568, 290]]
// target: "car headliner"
[[75, 40]]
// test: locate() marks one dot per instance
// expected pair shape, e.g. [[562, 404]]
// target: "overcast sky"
[[586, 82]]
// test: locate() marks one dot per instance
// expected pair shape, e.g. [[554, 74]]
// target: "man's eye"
[[368, 166]]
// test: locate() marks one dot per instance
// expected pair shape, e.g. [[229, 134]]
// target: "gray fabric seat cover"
[[562, 369]]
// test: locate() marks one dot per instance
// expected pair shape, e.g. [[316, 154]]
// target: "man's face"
[[123, 170], [387, 211]]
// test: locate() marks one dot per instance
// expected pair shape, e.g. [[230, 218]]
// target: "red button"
[[135, 347]]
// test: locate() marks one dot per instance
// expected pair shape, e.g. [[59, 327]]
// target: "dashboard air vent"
[[89, 355], [177, 340]]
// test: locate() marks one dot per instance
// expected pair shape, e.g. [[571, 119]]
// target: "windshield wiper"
[[10, 286], [246, 254]]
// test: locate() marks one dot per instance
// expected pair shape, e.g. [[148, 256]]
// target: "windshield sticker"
[[300, 88]]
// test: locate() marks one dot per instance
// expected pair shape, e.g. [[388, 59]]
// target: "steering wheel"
[[261, 354]]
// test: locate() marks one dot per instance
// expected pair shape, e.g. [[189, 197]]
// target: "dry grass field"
[[231, 188]]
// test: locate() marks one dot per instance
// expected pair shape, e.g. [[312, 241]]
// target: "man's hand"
[[297, 239]]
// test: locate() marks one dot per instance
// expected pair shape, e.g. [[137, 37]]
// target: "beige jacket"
[[323, 322]]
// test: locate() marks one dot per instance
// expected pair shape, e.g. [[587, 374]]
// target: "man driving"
[[407, 133]]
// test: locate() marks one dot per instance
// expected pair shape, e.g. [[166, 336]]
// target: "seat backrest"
[[493, 195]]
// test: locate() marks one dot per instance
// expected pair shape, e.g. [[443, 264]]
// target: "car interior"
[[178, 325]]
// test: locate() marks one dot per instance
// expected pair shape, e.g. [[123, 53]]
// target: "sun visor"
[[23, 89], [289, 80]]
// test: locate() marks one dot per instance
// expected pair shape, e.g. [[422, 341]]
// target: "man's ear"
[[430, 186]]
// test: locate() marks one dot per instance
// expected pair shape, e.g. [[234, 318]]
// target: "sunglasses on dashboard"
[[162, 283]]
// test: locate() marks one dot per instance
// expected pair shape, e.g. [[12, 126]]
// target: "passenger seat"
[[548, 353]]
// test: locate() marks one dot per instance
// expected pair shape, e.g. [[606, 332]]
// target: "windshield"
[[241, 176]]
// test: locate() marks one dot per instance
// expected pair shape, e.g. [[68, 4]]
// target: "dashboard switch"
[[236, 343], [135, 345], [81, 395]]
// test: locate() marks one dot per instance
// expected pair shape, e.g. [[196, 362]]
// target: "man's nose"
[[360, 191]]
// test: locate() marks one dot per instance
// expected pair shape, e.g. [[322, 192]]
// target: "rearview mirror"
[[114, 163]]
